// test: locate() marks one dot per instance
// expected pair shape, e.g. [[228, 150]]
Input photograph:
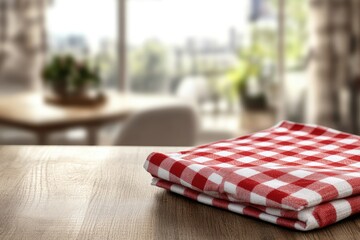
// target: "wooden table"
[[30, 112], [104, 193]]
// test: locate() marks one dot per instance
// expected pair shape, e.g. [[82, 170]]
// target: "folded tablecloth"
[[294, 175]]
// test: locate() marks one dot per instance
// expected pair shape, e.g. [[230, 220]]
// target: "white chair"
[[174, 125]]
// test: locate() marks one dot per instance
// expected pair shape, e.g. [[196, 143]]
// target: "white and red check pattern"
[[294, 175]]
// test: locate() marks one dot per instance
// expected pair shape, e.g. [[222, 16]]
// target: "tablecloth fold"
[[295, 175]]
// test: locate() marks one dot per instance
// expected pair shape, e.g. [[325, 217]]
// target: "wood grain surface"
[[104, 193]]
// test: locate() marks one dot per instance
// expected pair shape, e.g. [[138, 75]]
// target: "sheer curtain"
[[334, 64], [22, 43]]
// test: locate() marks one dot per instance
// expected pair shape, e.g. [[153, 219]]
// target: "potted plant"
[[68, 80], [246, 79]]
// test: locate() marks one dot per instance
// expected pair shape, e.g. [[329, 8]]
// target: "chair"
[[174, 125]]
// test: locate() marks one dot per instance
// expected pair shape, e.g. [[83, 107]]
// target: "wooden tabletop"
[[30, 111], [104, 193]]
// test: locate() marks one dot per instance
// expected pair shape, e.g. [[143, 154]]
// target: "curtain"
[[22, 42], [334, 63]]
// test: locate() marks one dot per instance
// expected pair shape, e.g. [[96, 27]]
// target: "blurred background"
[[174, 72]]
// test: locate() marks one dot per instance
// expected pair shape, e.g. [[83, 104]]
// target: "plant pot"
[[253, 102], [81, 96]]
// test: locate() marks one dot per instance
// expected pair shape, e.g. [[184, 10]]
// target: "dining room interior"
[[174, 72], [179, 119]]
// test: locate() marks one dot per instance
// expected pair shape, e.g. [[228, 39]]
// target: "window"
[[217, 53]]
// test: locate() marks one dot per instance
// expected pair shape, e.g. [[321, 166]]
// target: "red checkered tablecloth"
[[295, 175]]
